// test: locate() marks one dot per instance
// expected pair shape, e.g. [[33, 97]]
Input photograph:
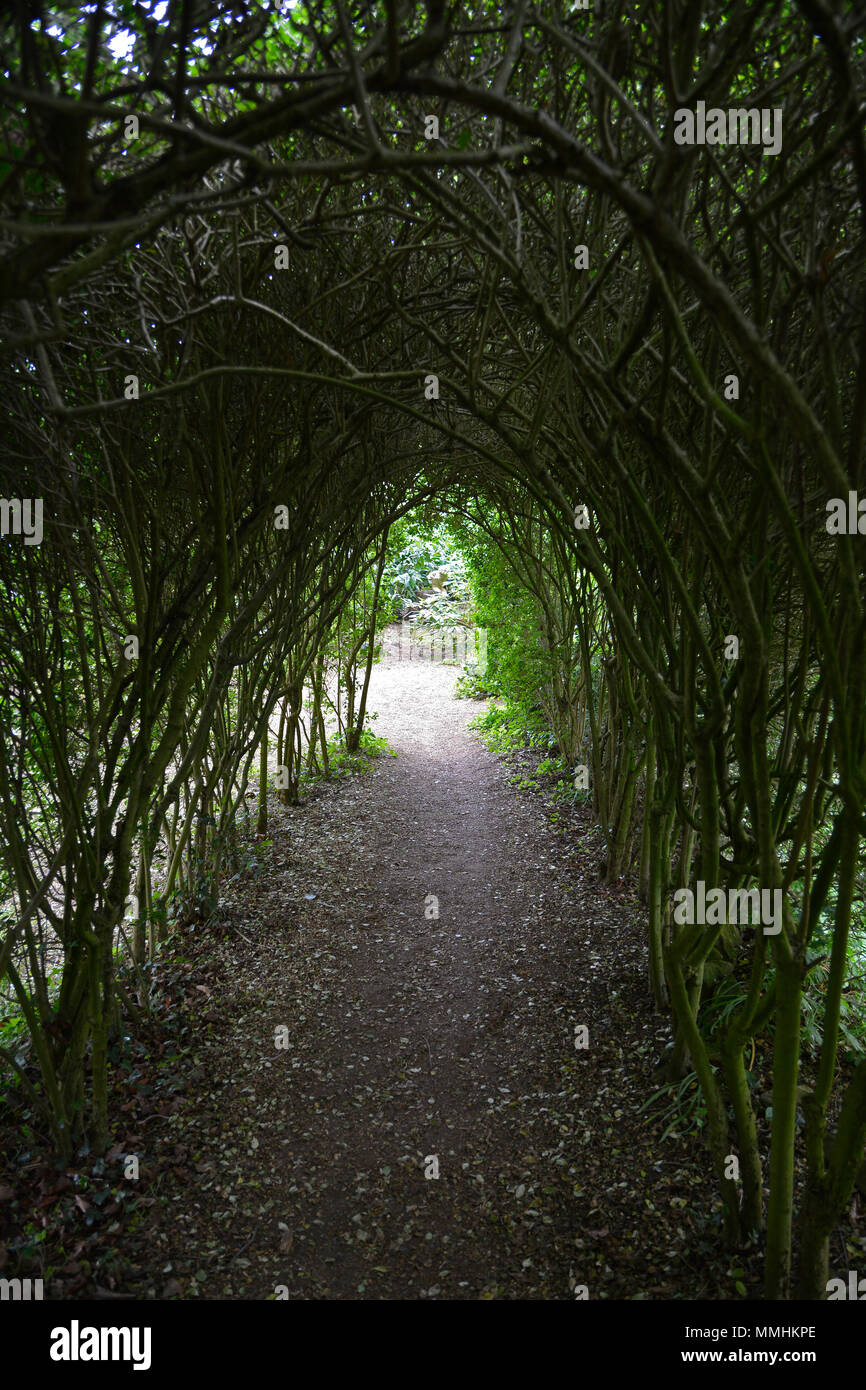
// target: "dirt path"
[[412, 1036]]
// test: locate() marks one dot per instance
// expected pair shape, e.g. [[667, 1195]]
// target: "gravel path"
[[430, 1129]]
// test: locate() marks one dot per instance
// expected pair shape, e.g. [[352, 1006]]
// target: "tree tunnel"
[[271, 278]]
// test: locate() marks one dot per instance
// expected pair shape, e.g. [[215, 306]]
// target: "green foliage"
[[415, 550], [506, 726], [472, 684], [343, 763], [718, 1007], [852, 1023], [679, 1105], [517, 665], [729, 995]]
